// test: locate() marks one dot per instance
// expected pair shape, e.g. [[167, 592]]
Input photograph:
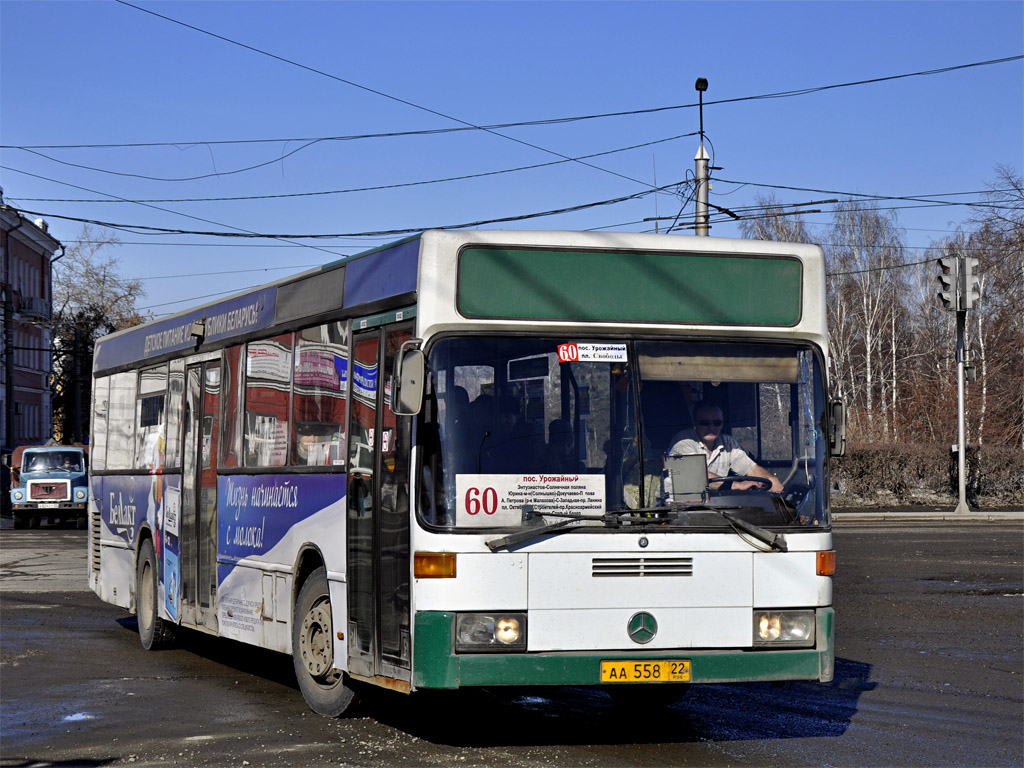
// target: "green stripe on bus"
[[686, 288], [436, 666]]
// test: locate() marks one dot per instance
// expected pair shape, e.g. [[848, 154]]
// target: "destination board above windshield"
[[623, 286]]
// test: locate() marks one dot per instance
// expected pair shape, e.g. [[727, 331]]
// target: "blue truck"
[[50, 481]]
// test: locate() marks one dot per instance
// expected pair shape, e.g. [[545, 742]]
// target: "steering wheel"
[[764, 483]]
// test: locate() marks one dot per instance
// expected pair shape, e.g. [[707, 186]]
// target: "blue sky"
[[106, 73]]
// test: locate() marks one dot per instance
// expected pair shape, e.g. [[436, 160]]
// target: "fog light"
[[490, 632], [793, 629]]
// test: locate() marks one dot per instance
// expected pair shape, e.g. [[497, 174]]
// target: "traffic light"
[[949, 269], [970, 290]]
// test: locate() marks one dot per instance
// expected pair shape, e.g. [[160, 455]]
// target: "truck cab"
[[49, 481]]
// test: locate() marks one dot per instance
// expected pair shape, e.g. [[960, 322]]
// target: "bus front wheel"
[[323, 687], [154, 632]]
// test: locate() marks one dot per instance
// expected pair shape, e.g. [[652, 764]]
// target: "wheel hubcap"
[[315, 642]]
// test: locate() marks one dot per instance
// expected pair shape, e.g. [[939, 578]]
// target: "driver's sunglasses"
[[712, 423]]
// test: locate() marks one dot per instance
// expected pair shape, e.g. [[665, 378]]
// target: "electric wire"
[[144, 229], [241, 231], [378, 92], [502, 126], [344, 191]]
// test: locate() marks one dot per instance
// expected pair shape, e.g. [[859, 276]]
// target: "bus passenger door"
[[378, 512], [199, 495]]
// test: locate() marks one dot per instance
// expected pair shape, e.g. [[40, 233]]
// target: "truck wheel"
[[34, 521], [20, 521], [154, 632], [324, 689], [82, 523]]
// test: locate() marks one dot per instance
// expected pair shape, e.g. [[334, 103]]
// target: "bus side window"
[[267, 390], [234, 383], [319, 399]]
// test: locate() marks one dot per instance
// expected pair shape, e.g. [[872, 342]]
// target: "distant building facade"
[[26, 250]]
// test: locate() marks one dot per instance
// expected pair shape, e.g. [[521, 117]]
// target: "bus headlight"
[[483, 632], [792, 629]]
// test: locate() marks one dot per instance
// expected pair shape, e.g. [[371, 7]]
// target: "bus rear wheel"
[[154, 632], [323, 687]]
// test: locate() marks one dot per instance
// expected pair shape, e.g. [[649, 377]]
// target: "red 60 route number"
[[568, 353], [481, 500]]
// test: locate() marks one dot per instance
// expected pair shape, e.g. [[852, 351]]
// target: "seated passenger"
[[560, 455], [516, 445], [723, 453]]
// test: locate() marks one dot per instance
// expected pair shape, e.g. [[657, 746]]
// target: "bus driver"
[[723, 453]]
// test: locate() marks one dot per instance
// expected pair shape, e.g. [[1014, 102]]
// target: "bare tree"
[[866, 290], [91, 298], [998, 243], [774, 224]]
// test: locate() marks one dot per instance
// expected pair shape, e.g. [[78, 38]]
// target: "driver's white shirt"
[[726, 455]]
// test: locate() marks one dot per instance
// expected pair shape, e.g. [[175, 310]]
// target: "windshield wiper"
[[517, 538], [774, 540], [531, 533]]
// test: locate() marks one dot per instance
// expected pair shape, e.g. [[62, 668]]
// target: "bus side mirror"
[[407, 382], [837, 428]]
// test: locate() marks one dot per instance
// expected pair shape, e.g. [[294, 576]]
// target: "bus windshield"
[[523, 432]]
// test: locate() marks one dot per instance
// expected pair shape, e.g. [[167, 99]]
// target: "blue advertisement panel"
[[256, 512], [125, 503], [231, 317], [376, 276]]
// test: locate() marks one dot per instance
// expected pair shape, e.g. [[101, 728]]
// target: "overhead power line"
[[377, 92], [241, 232], [927, 201], [143, 229], [516, 124], [929, 198], [337, 191]]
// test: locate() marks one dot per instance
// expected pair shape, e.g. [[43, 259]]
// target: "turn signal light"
[[826, 565], [434, 565]]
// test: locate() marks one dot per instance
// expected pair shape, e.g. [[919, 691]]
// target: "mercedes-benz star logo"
[[642, 627]]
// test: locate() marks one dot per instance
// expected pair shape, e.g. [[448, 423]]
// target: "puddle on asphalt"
[[77, 717]]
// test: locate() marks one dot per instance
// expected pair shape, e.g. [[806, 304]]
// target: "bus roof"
[[360, 282], [388, 277]]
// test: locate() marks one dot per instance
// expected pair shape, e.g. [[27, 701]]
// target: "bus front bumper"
[[437, 666]]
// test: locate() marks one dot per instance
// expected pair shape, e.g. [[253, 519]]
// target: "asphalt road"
[[929, 671]]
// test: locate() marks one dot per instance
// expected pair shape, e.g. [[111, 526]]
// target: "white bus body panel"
[[254, 600], [570, 608]]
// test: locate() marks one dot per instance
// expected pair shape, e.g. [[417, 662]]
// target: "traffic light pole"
[[961, 452]]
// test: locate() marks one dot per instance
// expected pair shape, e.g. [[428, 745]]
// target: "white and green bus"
[[461, 460]]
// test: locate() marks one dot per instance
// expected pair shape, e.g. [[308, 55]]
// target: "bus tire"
[[154, 632], [324, 688]]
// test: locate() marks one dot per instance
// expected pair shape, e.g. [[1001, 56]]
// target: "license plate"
[[49, 504], [651, 671]]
